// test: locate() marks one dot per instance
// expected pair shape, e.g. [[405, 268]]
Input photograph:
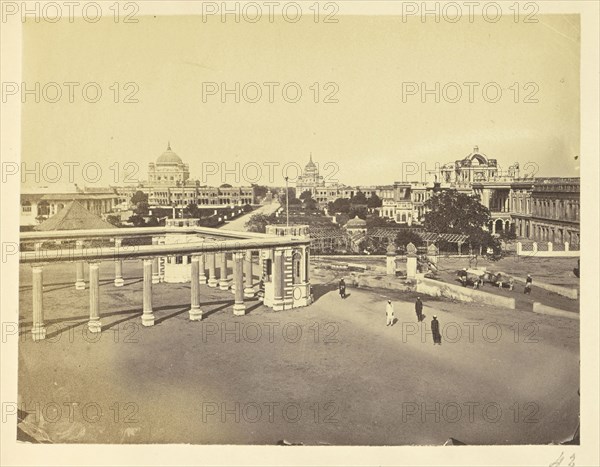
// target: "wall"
[[463, 294], [548, 310]]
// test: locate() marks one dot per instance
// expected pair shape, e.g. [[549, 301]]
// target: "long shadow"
[[319, 290], [253, 307], [208, 313]]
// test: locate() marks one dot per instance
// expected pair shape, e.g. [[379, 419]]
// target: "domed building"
[[168, 169], [476, 167], [356, 225], [310, 180]]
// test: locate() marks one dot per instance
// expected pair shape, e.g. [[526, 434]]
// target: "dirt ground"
[[330, 373]]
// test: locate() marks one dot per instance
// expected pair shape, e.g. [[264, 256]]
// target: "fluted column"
[[155, 269], [79, 268], [223, 282], [195, 311], [147, 315], [278, 280], [202, 267], [38, 330], [239, 308], [212, 270], [119, 282], [94, 322], [248, 286]]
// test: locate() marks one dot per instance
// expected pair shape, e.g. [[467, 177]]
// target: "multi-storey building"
[[169, 184], [540, 209]]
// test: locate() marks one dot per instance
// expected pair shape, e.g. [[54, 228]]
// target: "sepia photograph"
[[365, 231]]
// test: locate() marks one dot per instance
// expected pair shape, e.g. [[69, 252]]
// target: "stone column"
[[212, 273], [248, 286], [94, 322], [119, 282], [147, 315], [79, 268], [223, 282], [278, 280], [239, 309], [38, 330], [493, 227], [411, 261], [202, 267], [195, 311], [155, 268]]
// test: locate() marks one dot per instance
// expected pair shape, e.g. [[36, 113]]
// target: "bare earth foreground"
[[330, 373]]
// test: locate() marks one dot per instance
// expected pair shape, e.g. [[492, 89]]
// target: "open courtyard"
[[329, 373]]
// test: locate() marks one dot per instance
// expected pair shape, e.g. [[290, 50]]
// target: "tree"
[[260, 191], [406, 236], [341, 205], [373, 245], [139, 197], [259, 222], [378, 221], [374, 201], [359, 198], [192, 211], [454, 212], [308, 203]]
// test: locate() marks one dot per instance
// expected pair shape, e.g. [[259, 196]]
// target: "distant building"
[[169, 184], [38, 204]]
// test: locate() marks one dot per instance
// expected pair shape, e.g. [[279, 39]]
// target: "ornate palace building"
[[169, 184], [541, 209]]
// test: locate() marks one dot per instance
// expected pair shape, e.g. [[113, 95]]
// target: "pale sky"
[[369, 133]]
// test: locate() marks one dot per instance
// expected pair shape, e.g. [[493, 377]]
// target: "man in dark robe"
[[528, 283], [342, 288], [419, 309], [435, 330]]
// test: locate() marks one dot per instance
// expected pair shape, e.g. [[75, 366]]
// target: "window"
[[26, 206]]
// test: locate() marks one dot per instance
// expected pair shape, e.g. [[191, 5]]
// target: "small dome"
[[169, 157], [356, 223]]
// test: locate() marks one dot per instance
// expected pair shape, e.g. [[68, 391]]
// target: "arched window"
[[296, 267]]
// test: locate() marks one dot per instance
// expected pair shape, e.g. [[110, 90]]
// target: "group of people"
[[435, 324]]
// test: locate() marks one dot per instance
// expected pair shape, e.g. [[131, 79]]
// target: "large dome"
[[169, 157]]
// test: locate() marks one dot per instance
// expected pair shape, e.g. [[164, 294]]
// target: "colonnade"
[[243, 286]]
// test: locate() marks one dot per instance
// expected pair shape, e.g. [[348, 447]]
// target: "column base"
[[155, 279], [94, 326], [195, 314], [224, 285], [202, 280], [38, 332], [248, 292], [79, 285], [278, 304], [119, 282], [212, 282], [148, 319], [239, 309]]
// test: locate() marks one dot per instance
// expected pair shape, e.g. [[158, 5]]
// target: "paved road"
[[239, 223]]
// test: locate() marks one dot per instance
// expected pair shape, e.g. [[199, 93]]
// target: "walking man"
[[342, 288], [435, 330], [389, 313], [419, 309], [528, 283]]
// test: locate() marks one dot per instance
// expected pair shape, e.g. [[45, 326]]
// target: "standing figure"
[[435, 330], [511, 283], [389, 313], [419, 309], [528, 283], [342, 288]]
